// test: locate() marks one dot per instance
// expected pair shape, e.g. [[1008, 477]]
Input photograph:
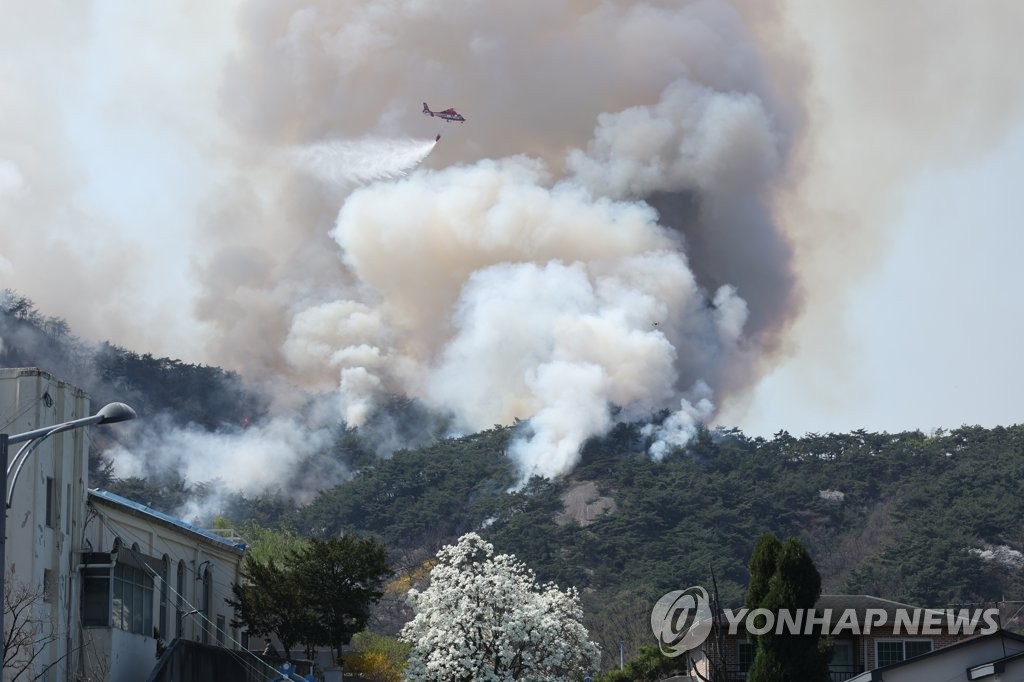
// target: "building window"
[[179, 612], [897, 651], [49, 502], [132, 604], [220, 630], [841, 664], [165, 575], [207, 601], [96, 597], [916, 647], [47, 585]]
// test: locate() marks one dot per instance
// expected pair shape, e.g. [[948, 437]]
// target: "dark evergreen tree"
[[762, 568], [783, 576]]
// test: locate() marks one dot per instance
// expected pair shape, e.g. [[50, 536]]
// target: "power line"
[[164, 548], [195, 610], [25, 409]]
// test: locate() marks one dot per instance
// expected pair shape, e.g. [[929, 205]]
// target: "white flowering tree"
[[485, 618]]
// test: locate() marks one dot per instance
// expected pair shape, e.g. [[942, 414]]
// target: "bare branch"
[[27, 633]]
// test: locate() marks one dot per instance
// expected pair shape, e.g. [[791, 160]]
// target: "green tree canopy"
[[649, 665], [269, 543], [377, 657], [783, 576], [318, 594], [343, 578], [269, 601]]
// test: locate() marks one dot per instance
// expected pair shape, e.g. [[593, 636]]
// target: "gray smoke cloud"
[[539, 265], [264, 458], [615, 230], [554, 284]]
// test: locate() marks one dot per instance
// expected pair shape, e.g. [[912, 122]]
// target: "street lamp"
[[109, 414]]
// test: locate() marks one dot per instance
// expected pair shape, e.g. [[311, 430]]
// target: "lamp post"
[[109, 414]]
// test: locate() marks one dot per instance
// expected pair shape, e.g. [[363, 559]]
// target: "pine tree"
[[783, 576]]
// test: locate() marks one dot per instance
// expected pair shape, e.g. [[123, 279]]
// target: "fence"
[[188, 661]]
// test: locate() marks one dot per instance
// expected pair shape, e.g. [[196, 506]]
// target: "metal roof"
[[139, 508], [876, 673]]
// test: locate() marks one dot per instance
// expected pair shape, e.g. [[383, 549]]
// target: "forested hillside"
[[202, 395], [924, 519], [929, 519]]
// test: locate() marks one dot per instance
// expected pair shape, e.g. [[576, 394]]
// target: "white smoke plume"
[[277, 456], [618, 220], [543, 265], [502, 294], [549, 290], [695, 407]]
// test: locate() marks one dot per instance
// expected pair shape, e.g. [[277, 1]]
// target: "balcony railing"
[[197, 662], [836, 673], [840, 673]]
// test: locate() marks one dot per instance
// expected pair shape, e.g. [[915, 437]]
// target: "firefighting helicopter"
[[447, 114]]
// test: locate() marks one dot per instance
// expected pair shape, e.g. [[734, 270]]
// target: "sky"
[[919, 325], [770, 215], [932, 332]]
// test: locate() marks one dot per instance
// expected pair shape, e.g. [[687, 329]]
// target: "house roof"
[[138, 509], [861, 603], [878, 673], [976, 672]]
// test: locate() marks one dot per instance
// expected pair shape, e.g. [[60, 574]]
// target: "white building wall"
[[949, 664], [156, 539], [31, 399], [953, 664]]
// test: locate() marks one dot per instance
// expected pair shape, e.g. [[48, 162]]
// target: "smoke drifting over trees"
[[533, 280], [602, 240]]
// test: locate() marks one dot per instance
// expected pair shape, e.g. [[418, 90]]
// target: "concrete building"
[[146, 573], [997, 656], [99, 579], [44, 521]]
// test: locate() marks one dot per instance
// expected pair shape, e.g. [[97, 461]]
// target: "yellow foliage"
[[406, 580], [373, 665]]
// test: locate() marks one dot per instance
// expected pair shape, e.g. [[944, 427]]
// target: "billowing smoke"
[[277, 456], [551, 290], [695, 408], [500, 294], [594, 244], [601, 240]]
